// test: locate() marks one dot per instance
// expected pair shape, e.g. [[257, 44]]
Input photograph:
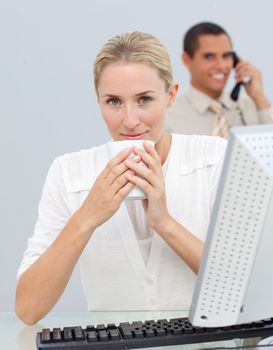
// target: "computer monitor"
[[235, 279]]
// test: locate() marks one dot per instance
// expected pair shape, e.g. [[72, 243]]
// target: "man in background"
[[204, 107]]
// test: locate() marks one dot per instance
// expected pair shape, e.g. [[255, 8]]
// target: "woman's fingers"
[[114, 177], [152, 163], [139, 182], [117, 160], [141, 170], [116, 167], [123, 191], [121, 181]]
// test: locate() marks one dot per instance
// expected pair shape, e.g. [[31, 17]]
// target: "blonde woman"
[[133, 255]]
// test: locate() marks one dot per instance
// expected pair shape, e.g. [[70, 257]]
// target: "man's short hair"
[[190, 43]]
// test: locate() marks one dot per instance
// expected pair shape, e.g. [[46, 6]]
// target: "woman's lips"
[[133, 136]]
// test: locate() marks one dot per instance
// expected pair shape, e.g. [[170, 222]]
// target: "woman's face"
[[133, 100]]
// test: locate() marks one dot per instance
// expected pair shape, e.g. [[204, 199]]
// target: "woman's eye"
[[145, 99], [113, 101]]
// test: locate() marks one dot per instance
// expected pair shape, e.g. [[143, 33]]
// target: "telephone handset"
[[235, 92]]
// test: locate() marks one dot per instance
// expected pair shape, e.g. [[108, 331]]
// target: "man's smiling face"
[[211, 64]]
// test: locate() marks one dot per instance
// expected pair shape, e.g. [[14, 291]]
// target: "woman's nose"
[[131, 117]]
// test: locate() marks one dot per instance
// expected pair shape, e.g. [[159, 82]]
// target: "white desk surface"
[[14, 335]]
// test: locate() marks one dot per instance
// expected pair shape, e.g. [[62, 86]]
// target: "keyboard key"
[[138, 333], [259, 324], [177, 330], [111, 326], [127, 335], [46, 337], [114, 334], [169, 328], [79, 334], [268, 321], [149, 333], [103, 335], [187, 329], [137, 324], [160, 331], [162, 321], [101, 327], [124, 325], [56, 335], [91, 337], [248, 325], [67, 334]]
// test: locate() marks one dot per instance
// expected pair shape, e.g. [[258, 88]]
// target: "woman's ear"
[[172, 93]]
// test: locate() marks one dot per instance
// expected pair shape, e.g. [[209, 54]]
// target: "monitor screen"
[[235, 279]]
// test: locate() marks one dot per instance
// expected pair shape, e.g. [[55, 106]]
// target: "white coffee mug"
[[117, 146]]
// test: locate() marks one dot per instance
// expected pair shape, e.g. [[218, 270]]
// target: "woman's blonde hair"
[[134, 47]]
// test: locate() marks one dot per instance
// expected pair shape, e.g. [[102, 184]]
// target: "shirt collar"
[[226, 101], [202, 101]]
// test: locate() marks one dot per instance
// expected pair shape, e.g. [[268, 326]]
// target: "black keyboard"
[[145, 334]]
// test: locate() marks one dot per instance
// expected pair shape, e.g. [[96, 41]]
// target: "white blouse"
[[118, 274]]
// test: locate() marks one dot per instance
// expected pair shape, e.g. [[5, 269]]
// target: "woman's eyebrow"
[[146, 92], [138, 94], [111, 95]]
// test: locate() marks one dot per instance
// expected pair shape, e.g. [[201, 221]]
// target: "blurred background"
[[48, 105]]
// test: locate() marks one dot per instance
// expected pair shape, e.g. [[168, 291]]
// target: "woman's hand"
[[48, 276], [109, 190], [187, 246], [150, 179]]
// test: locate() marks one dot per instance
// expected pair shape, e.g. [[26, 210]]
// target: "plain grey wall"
[[47, 103]]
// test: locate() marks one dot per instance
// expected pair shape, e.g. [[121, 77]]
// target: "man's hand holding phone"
[[251, 77]]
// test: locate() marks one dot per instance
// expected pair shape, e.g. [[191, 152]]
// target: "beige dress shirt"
[[190, 113]]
